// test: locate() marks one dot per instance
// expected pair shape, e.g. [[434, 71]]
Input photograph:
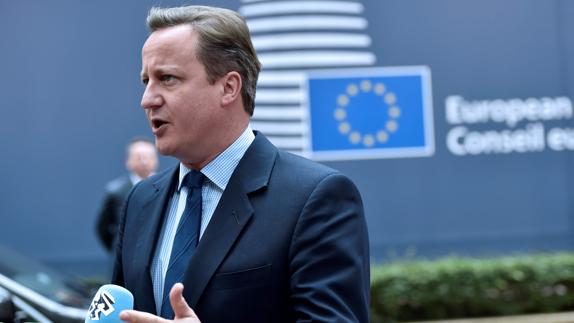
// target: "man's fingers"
[[178, 303], [132, 316]]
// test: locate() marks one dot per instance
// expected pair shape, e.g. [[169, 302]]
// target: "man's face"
[[183, 109], [142, 159]]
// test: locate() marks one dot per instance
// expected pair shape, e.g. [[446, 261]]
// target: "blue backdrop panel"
[[70, 100]]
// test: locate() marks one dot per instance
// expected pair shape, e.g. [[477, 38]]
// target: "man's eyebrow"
[[161, 70], [166, 69]]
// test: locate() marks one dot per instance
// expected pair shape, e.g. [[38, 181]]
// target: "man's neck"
[[217, 151]]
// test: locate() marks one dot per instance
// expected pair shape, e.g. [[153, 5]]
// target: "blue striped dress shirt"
[[217, 173]]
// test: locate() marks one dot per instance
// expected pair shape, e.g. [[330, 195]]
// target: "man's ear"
[[231, 88]]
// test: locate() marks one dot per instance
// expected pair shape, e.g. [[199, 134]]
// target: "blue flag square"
[[370, 113]]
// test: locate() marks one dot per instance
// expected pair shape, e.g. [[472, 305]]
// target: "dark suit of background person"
[[108, 219], [141, 161], [288, 240]]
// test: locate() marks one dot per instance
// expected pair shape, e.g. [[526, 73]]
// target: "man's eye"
[[145, 81], [168, 78]]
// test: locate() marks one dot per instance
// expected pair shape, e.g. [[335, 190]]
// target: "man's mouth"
[[156, 124]]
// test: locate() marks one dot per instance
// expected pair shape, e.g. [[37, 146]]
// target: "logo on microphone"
[[102, 304]]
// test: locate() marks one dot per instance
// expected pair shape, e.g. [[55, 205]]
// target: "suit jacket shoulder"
[[119, 186], [293, 245]]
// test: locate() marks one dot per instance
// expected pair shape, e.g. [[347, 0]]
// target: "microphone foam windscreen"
[[108, 303]]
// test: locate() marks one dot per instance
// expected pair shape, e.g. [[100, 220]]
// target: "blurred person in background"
[[141, 162]]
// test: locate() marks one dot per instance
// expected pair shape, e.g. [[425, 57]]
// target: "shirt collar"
[[220, 169], [134, 178]]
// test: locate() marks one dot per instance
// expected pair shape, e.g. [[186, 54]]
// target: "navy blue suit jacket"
[[109, 217], [287, 243]]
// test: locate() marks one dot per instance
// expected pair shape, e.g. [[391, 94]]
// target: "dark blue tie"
[[186, 238]]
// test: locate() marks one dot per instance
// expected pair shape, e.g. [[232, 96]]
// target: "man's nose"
[[150, 98]]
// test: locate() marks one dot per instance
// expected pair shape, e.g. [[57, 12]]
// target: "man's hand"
[[183, 313]]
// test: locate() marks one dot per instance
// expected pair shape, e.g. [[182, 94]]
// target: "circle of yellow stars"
[[382, 134]]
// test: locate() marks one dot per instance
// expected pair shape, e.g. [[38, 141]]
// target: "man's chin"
[[163, 148]]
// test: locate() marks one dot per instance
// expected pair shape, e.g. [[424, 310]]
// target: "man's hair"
[[224, 43]]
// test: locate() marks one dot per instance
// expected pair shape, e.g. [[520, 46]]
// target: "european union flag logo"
[[370, 113]]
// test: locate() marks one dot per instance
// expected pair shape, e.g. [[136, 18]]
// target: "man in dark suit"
[[141, 162], [254, 234]]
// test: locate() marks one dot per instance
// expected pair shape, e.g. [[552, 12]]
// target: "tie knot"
[[193, 179]]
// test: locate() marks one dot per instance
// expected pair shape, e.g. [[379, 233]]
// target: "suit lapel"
[[230, 217], [152, 214]]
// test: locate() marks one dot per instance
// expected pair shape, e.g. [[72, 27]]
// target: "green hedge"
[[456, 288]]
